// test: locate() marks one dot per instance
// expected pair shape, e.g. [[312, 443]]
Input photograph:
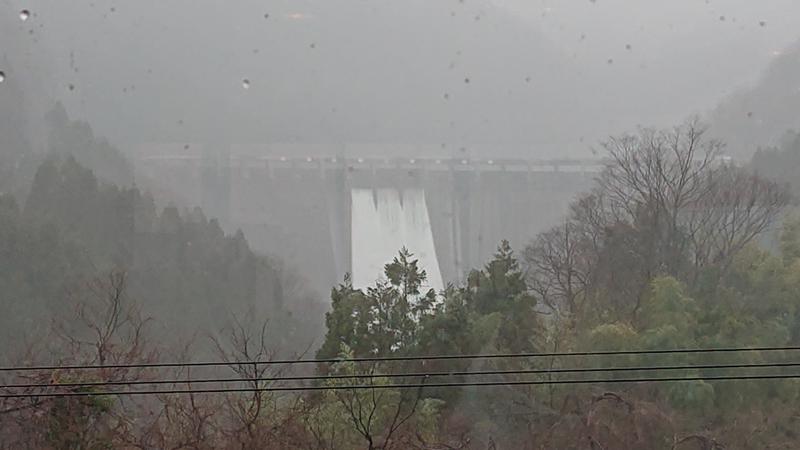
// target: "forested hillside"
[[661, 254], [781, 163], [761, 114], [181, 265]]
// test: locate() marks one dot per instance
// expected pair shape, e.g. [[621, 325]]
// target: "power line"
[[398, 358], [401, 386], [404, 375]]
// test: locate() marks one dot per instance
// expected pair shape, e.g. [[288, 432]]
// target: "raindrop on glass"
[[246, 83], [24, 15]]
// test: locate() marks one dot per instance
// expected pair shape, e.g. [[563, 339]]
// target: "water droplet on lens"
[[24, 15], [246, 83]]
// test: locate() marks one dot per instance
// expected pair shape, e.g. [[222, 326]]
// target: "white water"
[[381, 224]]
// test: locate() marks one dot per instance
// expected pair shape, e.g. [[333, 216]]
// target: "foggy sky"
[[521, 77]]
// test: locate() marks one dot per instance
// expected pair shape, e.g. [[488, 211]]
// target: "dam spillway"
[[330, 216]]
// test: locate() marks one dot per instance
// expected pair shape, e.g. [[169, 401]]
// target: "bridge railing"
[[356, 163]]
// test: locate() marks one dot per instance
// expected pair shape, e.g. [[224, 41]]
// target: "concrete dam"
[[328, 216]]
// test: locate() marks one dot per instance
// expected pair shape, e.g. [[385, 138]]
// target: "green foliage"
[[386, 318], [695, 396], [493, 310], [355, 418]]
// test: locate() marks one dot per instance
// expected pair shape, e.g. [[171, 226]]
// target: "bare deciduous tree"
[[107, 329], [666, 203]]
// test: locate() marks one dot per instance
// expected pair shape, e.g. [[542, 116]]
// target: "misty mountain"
[[762, 114]]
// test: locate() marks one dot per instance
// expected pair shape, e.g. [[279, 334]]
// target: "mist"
[[339, 224], [528, 79]]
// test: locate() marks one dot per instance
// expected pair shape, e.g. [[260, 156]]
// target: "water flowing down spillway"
[[382, 222]]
